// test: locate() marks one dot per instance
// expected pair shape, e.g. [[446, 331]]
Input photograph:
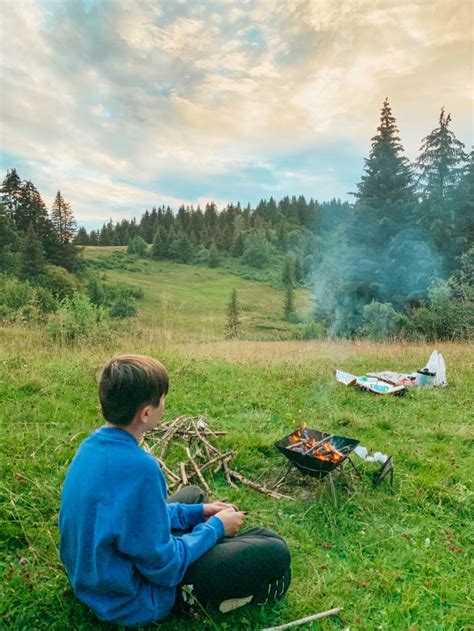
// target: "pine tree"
[[238, 244], [287, 277], [9, 241], [161, 244], [298, 270], [388, 176], [82, 238], [385, 196], [288, 305], [214, 258], [32, 255], [32, 210], [233, 325], [11, 192], [63, 220], [440, 163]]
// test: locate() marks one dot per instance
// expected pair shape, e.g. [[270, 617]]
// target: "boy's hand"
[[215, 507], [232, 520]]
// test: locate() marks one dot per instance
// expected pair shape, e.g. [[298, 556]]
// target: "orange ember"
[[312, 447]]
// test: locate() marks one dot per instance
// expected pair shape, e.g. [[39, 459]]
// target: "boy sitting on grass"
[[127, 548]]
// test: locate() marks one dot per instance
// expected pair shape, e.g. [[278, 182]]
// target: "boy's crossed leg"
[[251, 567]]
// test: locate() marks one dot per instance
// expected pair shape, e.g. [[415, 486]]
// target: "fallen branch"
[[184, 477], [198, 471], [316, 616], [258, 487], [173, 476]]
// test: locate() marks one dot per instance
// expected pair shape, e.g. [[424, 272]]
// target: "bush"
[[258, 251], [78, 319], [61, 283], [123, 307], [137, 246], [444, 317], [14, 294], [202, 257], [309, 329], [380, 321]]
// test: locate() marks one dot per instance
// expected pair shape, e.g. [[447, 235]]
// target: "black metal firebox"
[[309, 464]]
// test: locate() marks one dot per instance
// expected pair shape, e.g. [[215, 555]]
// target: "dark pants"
[[253, 565]]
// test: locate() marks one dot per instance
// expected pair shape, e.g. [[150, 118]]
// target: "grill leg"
[[282, 479], [359, 475], [333, 490]]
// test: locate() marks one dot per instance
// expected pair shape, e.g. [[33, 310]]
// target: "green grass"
[[393, 560], [371, 556], [189, 302]]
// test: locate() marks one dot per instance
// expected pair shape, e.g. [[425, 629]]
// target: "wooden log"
[[318, 444], [258, 487], [316, 616]]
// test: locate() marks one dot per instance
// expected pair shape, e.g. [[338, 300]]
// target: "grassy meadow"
[[393, 559], [189, 302]]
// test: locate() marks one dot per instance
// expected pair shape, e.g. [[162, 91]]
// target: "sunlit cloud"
[[126, 105]]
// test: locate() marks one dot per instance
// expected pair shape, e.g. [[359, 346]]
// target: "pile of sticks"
[[194, 435]]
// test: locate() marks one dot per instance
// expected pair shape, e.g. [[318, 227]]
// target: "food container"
[[424, 378]]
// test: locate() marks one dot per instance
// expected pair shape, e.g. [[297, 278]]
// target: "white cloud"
[[145, 92]]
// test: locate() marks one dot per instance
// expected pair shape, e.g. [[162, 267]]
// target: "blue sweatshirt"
[[116, 541]]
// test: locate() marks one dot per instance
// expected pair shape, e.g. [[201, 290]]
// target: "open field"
[[393, 560], [189, 302]]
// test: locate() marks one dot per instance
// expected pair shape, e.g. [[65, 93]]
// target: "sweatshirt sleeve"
[[143, 530], [185, 516]]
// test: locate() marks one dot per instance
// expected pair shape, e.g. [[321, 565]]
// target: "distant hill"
[[190, 301]]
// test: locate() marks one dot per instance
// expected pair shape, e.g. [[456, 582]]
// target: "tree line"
[[410, 224]]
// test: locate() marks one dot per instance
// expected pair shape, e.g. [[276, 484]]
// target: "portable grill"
[[309, 464], [307, 461]]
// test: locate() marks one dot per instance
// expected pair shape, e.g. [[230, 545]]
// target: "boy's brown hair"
[[129, 382]]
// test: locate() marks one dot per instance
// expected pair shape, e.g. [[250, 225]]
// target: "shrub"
[[380, 321], [14, 294], [123, 307], [78, 319], [202, 257], [61, 283], [258, 251], [445, 315], [309, 329], [137, 246]]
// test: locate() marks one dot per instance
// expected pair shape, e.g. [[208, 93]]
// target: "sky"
[[128, 104]]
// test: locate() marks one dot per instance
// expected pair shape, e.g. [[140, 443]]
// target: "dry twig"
[[316, 616]]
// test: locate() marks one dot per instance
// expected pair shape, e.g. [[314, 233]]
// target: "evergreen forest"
[[396, 262]]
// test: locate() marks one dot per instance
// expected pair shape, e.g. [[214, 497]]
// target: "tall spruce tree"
[[9, 241], [289, 302], [385, 195], [233, 324], [63, 220], [11, 192], [32, 255], [440, 163]]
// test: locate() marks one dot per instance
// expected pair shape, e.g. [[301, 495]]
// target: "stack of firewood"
[[202, 455]]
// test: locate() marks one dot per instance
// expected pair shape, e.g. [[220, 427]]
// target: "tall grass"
[[393, 559]]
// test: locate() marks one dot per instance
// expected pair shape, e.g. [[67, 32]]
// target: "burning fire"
[[320, 449]]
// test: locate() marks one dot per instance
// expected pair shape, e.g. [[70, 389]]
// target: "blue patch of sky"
[[9, 161], [254, 37]]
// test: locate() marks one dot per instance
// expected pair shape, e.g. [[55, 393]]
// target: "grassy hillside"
[[393, 560], [190, 301]]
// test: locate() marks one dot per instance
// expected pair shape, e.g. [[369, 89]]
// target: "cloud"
[[124, 105]]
